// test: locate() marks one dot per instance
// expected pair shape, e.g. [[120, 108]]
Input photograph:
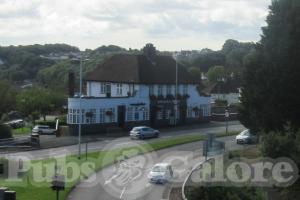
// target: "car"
[[43, 129], [246, 137], [18, 123], [161, 173], [143, 132]]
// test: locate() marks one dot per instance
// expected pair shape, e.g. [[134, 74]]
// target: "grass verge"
[[21, 131], [43, 170]]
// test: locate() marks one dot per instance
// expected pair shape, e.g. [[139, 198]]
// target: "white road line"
[[124, 189], [112, 178]]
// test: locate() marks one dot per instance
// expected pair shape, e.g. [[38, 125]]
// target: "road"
[[128, 180], [218, 127]]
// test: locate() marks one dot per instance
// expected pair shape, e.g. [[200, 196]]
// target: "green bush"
[[226, 193], [5, 131]]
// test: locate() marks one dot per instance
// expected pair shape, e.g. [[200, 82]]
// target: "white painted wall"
[[231, 98]]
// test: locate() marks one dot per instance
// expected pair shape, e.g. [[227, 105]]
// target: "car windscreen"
[[136, 129], [159, 169]]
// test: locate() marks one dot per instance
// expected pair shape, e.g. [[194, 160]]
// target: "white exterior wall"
[[231, 98], [196, 100], [94, 89], [98, 102]]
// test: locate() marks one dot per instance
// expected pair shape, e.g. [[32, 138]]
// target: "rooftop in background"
[[223, 87]]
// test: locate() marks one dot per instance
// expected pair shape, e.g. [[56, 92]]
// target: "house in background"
[[130, 90], [224, 90]]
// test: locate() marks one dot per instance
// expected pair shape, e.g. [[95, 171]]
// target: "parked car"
[[246, 137], [143, 132], [43, 129], [161, 173], [18, 123]]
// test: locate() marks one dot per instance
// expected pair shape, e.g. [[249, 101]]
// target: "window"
[[110, 115], [102, 115], [160, 90], [189, 112], [185, 89], [102, 88], [119, 89], [169, 89], [146, 114], [129, 113], [151, 90], [92, 118], [82, 116], [136, 114], [160, 114], [168, 114]]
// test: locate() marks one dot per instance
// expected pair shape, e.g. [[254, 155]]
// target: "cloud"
[[95, 22]]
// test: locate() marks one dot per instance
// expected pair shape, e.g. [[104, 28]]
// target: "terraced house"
[[130, 90]]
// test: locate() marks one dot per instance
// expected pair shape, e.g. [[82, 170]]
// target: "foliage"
[[8, 95], [24, 62], [216, 73], [38, 100], [5, 131], [225, 193], [271, 95]]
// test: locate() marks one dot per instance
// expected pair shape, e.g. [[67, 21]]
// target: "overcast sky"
[[169, 24]]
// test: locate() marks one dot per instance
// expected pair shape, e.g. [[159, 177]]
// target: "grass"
[[28, 189], [21, 131]]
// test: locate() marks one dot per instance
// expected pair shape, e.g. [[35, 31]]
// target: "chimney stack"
[[71, 83]]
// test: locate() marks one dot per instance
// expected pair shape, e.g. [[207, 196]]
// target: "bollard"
[[9, 195], [2, 190], [35, 139]]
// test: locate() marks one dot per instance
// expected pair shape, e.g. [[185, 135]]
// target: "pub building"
[[134, 90]]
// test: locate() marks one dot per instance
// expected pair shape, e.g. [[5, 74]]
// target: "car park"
[[161, 173], [43, 129], [143, 132], [246, 137]]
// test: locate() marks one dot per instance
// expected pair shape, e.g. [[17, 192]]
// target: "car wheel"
[[142, 137], [40, 132], [156, 135]]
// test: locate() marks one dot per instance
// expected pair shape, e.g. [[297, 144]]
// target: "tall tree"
[[271, 94]]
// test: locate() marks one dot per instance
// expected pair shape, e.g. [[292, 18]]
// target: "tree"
[[39, 100], [216, 73], [271, 94], [7, 97]]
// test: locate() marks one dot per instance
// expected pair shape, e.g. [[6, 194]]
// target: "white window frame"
[[119, 89]]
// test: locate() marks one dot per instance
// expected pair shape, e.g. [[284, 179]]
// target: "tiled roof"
[[128, 68]]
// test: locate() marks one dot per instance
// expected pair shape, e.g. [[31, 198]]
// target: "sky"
[[168, 24]]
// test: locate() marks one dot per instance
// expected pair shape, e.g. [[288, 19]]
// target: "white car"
[[246, 137], [43, 129], [161, 173]]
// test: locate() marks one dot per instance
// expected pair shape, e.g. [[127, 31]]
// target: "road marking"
[[121, 196], [112, 178]]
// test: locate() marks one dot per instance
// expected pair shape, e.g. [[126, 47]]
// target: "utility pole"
[[176, 90], [80, 109]]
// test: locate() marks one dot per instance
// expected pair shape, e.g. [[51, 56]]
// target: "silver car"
[[143, 132], [246, 137], [43, 129]]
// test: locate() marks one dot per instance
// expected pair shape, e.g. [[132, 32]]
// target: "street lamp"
[[80, 109], [176, 88]]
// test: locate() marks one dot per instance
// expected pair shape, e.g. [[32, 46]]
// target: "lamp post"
[[80, 109], [80, 106], [176, 88]]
